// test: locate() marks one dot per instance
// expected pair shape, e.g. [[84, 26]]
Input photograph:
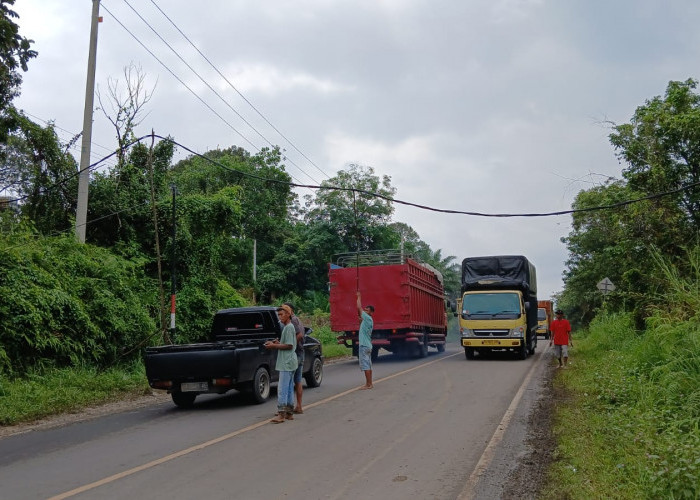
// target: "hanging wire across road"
[[153, 136]]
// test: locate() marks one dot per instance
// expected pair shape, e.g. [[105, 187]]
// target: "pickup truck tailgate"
[[191, 361]]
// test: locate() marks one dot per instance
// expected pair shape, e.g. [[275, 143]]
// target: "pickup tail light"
[[163, 384], [221, 381]]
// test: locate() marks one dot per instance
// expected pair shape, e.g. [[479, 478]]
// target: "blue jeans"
[[285, 392]]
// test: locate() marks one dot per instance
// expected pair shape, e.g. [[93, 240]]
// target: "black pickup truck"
[[233, 359]]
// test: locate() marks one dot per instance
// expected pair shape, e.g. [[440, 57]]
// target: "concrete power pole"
[[84, 179]]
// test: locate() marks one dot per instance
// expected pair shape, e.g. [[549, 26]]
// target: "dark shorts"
[[300, 368]]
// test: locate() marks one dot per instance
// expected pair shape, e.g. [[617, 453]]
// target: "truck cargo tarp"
[[502, 271]]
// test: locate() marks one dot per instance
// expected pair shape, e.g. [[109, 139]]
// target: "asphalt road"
[[440, 427]]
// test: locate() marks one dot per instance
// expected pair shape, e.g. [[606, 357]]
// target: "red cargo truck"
[[407, 295]]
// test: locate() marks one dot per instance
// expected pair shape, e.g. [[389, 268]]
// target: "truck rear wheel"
[[261, 385], [315, 375], [184, 399], [440, 347], [422, 350]]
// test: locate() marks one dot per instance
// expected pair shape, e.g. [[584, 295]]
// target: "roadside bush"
[[67, 304]]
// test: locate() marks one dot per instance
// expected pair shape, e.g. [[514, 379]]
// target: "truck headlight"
[[517, 332], [466, 332]]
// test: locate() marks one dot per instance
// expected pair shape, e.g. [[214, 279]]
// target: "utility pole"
[[173, 262], [84, 179]]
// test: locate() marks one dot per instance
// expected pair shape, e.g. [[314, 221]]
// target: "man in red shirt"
[[561, 337]]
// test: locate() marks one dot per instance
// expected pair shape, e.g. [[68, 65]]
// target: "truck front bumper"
[[497, 343]]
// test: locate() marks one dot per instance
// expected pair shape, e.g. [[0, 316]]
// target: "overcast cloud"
[[476, 105]]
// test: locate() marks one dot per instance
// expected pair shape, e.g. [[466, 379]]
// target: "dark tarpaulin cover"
[[504, 270]]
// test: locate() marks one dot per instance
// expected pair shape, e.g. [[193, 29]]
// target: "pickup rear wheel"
[[184, 399], [315, 375], [261, 385]]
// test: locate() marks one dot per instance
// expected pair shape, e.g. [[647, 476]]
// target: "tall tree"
[[358, 218], [661, 146], [15, 53], [39, 172], [123, 106]]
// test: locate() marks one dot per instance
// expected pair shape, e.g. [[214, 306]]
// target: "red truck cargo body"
[[408, 301]]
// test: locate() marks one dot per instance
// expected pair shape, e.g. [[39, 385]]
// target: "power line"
[[387, 198], [255, 148], [180, 80], [211, 88], [238, 92], [433, 209], [77, 173]]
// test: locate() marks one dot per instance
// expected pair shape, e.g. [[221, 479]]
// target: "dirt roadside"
[[130, 402]]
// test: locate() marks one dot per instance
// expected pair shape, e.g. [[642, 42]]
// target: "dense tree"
[[37, 171], [661, 146], [15, 53], [264, 194], [119, 212], [358, 218]]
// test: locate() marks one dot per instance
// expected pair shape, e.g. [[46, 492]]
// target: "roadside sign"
[[605, 286]]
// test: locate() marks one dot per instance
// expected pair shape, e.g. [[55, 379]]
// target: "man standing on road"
[[561, 337], [286, 365], [364, 351], [298, 389]]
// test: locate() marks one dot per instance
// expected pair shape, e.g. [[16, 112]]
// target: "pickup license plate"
[[492, 342], [194, 386]]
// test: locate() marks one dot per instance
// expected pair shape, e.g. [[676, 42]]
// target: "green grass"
[[628, 414], [331, 348], [54, 391]]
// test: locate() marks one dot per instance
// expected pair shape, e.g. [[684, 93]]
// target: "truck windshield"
[[501, 305], [541, 314]]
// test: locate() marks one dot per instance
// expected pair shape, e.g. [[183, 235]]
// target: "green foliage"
[[661, 146], [358, 220], [197, 302], [120, 209], [630, 426], [15, 53], [63, 304], [35, 167]]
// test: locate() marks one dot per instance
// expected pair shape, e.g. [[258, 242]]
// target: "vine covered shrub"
[[67, 304]]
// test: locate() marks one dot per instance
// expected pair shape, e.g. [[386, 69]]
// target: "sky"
[[491, 106]]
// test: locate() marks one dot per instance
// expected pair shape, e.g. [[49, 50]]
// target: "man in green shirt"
[[286, 365], [364, 350]]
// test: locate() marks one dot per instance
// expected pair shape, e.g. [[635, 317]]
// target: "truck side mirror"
[[527, 305]]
